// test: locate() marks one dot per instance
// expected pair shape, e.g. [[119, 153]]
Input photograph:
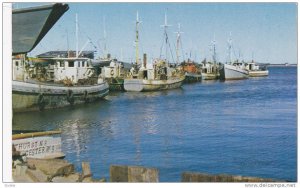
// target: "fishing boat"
[[233, 70], [114, 75], [209, 69], [152, 77], [158, 76], [62, 81], [256, 70], [192, 71], [37, 144], [189, 68]]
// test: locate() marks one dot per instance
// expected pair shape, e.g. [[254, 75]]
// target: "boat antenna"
[[165, 26], [76, 21], [178, 42], [137, 37]]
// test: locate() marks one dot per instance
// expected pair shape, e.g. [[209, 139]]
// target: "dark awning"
[[30, 25]]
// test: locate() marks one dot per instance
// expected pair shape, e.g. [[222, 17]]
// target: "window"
[[17, 63], [71, 63]]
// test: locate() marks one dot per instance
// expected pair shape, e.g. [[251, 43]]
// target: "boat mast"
[[68, 48], [230, 48], [76, 22], [137, 38], [178, 42], [165, 26], [214, 55], [104, 36]]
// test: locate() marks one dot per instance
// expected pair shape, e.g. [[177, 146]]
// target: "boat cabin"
[[72, 69], [114, 70], [209, 68], [18, 67], [252, 66]]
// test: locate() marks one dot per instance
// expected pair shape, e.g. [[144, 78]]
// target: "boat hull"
[[30, 25], [231, 72], [207, 76], [259, 73], [152, 85], [115, 84], [192, 77], [33, 97]]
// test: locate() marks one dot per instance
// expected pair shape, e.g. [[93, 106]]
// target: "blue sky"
[[266, 30]]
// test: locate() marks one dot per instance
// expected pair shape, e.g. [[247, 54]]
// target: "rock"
[[17, 162], [88, 180], [31, 166], [201, 177], [133, 174], [15, 153], [21, 169], [37, 175], [52, 167], [21, 179], [66, 179]]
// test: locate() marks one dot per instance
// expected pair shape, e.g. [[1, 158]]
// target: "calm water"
[[246, 127]]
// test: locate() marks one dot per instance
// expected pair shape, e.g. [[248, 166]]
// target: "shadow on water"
[[51, 118]]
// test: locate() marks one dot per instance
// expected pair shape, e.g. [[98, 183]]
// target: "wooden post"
[[133, 174], [86, 170]]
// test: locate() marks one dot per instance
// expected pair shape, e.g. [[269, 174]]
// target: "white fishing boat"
[[63, 82], [152, 77], [158, 76], [256, 70], [209, 69], [233, 70]]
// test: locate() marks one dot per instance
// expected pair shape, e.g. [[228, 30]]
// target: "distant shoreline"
[[282, 65]]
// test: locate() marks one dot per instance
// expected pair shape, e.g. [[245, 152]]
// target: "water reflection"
[[214, 127]]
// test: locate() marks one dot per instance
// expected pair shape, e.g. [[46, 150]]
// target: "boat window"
[[82, 63], [145, 74], [17, 63], [71, 63]]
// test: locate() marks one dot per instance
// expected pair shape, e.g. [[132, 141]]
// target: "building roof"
[[65, 54]]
